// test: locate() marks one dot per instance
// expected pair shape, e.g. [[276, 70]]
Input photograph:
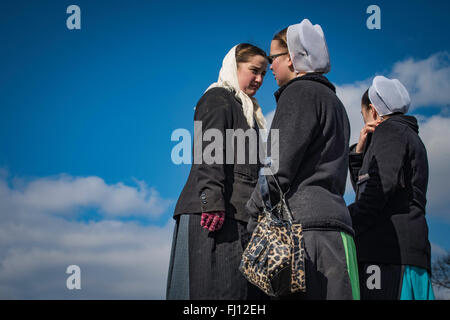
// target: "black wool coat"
[[390, 179], [226, 186]]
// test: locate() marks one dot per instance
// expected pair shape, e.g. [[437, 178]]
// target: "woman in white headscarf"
[[210, 233], [389, 172], [313, 157]]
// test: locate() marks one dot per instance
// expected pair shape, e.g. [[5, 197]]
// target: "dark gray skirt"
[[205, 265]]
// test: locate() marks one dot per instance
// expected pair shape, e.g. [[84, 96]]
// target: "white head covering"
[[308, 48], [228, 79], [388, 96]]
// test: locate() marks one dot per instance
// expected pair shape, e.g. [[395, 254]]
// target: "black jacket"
[[390, 180], [313, 155], [221, 187]]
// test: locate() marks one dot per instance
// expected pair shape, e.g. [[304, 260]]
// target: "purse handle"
[[265, 192]]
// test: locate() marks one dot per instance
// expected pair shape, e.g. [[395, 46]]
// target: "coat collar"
[[313, 76]]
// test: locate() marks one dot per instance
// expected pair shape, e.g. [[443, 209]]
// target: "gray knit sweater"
[[313, 155]]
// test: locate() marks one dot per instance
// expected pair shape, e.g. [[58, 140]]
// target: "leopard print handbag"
[[274, 257]]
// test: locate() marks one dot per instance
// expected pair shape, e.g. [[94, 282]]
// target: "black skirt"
[[210, 268]]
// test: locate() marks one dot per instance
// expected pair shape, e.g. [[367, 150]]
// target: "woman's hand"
[[212, 221], [368, 128]]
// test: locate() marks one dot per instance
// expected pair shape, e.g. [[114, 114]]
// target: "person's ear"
[[374, 112], [289, 61], [290, 65]]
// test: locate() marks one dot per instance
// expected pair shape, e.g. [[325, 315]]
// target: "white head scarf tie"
[[308, 48], [228, 79], [388, 96]]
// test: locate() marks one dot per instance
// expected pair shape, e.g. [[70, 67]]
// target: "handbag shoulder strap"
[[264, 187]]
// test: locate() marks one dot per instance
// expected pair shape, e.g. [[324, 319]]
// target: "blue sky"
[[97, 106]]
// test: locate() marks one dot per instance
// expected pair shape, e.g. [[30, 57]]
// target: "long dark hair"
[[365, 100]]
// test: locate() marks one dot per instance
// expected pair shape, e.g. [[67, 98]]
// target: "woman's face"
[[281, 66], [251, 74]]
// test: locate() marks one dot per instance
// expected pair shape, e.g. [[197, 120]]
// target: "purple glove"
[[212, 221]]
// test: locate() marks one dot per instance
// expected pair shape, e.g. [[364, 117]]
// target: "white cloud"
[[64, 194], [428, 80], [118, 260], [434, 133]]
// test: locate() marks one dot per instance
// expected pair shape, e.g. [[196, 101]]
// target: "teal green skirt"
[[416, 284]]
